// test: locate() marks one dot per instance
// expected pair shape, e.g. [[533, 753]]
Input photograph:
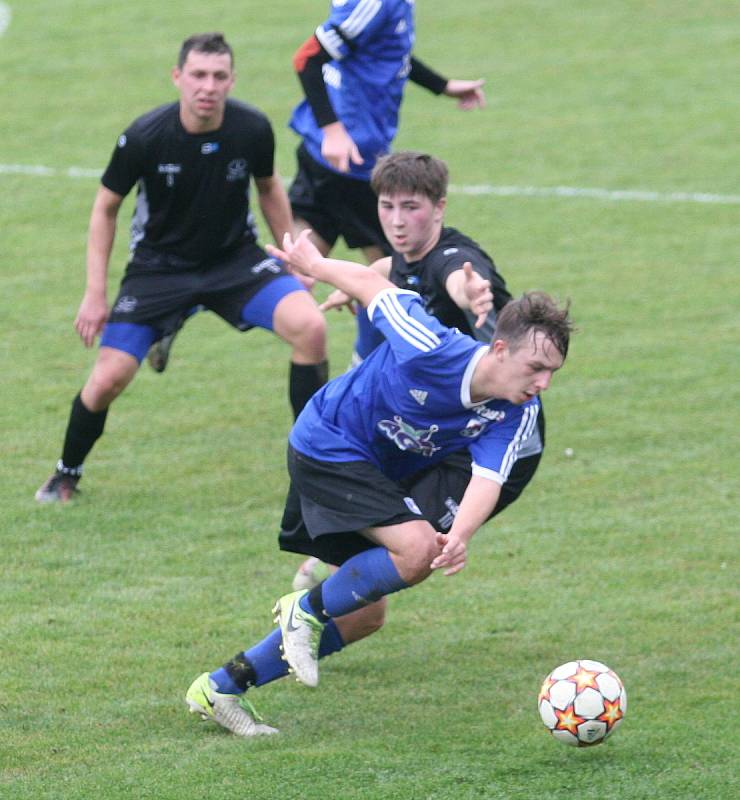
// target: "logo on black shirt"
[[236, 170], [170, 170]]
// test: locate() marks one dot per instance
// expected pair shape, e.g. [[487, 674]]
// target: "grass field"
[[625, 551]]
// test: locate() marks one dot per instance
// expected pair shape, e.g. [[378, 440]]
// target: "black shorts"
[[336, 205], [328, 503], [157, 291]]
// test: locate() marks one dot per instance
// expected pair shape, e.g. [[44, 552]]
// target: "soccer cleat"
[[311, 572], [231, 711], [59, 488], [301, 636], [159, 353]]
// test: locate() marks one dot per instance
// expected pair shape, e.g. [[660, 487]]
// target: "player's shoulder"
[[452, 242], [153, 121], [241, 112]]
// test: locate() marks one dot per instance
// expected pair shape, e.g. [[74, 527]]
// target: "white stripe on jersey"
[[357, 21], [488, 474], [526, 428], [331, 41], [405, 325]]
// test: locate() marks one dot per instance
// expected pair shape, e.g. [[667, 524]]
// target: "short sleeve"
[[126, 164]]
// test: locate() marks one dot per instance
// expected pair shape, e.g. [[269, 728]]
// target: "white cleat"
[[231, 711]]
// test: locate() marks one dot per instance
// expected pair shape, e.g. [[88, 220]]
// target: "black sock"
[[241, 672], [316, 601], [305, 381], [83, 430]]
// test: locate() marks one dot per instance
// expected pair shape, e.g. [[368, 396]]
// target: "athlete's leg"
[[123, 345], [321, 244]]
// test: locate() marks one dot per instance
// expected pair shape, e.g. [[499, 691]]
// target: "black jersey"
[[192, 201], [428, 277]]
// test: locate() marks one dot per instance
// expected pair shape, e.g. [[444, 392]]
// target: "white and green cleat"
[[301, 636], [231, 711]]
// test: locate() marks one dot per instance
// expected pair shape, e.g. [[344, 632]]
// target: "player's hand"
[[453, 554], [469, 94], [300, 253], [338, 299], [338, 147], [91, 317], [478, 293]]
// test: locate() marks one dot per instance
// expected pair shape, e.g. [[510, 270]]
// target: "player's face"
[[204, 81], [528, 370], [411, 223]]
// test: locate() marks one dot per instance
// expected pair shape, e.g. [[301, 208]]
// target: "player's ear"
[[439, 207], [176, 73]]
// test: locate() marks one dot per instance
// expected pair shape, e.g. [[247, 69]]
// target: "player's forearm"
[[356, 280], [275, 208], [99, 247], [478, 502]]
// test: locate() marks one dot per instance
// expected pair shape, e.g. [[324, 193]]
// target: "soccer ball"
[[582, 702]]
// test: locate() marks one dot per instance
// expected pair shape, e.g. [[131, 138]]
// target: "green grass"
[[624, 551]]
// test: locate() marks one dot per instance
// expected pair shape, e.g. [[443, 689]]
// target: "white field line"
[[5, 16], [610, 195]]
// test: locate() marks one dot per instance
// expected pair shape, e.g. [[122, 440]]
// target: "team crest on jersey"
[[419, 395], [474, 428], [405, 437], [126, 304], [491, 414], [237, 169], [170, 170]]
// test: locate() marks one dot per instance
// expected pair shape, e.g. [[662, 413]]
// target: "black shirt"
[[193, 189], [428, 276]]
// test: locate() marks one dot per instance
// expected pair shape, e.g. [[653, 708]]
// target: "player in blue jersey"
[[357, 449], [353, 70], [192, 241]]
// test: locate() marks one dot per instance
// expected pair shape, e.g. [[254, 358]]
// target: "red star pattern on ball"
[[585, 679], [568, 720], [612, 713], [545, 690]]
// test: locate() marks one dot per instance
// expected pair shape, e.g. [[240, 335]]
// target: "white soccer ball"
[[582, 702]]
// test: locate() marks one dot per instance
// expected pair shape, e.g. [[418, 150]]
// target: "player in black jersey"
[[460, 286], [193, 241]]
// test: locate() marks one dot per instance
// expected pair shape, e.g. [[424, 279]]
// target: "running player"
[[356, 450]]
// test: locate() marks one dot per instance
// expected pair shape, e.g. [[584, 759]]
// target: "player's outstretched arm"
[[338, 299], [93, 311], [469, 94], [356, 280], [478, 502]]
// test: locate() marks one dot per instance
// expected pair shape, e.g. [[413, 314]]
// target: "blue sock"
[[267, 661], [361, 580], [368, 336]]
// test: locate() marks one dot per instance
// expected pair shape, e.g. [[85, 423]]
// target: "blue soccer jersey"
[[370, 44], [408, 405]]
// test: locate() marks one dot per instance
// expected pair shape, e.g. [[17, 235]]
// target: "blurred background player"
[[193, 241], [355, 455], [460, 286], [353, 70]]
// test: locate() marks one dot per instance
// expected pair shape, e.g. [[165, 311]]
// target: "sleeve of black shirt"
[[308, 61], [126, 164], [424, 76]]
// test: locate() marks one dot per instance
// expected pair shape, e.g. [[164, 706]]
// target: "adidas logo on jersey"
[[419, 395]]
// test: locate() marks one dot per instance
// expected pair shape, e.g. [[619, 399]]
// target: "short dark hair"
[[533, 312], [409, 171], [204, 43]]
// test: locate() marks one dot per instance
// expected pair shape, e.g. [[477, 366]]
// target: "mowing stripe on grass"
[[635, 195]]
